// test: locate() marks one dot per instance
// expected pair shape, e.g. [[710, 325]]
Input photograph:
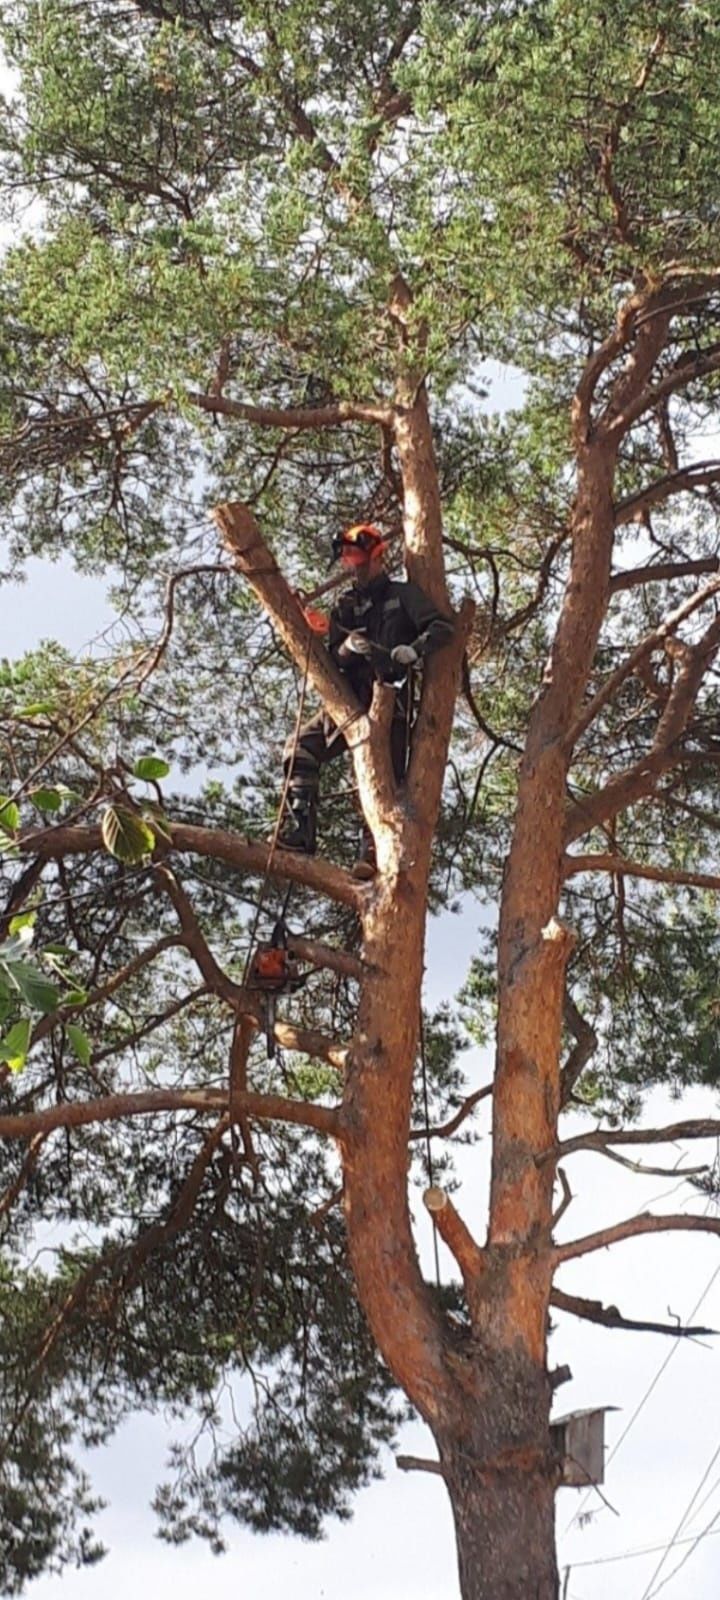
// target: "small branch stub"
[[435, 1199]]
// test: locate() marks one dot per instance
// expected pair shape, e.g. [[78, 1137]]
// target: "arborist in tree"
[[381, 628]]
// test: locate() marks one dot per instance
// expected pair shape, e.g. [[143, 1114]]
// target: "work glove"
[[356, 644], [405, 655]]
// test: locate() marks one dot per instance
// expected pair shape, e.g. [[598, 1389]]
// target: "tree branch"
[[650, 642], [586, 1042], [679, 377], [620, 866], [308, 1041], [632, 1228], [662, 572], [150, 1102], [217, 843], [697, 1128], [28, 1167], [610, 1317], [459, 1240], [639, 781], [295, 417], [445, 1129], [696, 475]]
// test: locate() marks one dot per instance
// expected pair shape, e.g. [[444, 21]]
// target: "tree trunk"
[[505, 1532]]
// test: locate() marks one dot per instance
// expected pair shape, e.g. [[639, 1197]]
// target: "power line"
[[647, 1550], [651, 1386], [706, 1533], [649, 1589]]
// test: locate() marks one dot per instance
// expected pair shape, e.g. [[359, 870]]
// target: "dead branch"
[[683, 373], [20, 893], [598, 1138], [445, 1129], [15, 1188], [639, 781], [567, 1198], [324, 955], [419, 1464], [610, 1317]]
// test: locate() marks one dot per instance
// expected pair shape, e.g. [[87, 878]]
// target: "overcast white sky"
[[399, 1545]]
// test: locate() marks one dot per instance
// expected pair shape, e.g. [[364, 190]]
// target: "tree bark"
[[505, 1533]]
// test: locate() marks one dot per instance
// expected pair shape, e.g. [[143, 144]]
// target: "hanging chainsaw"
[[274, 971]]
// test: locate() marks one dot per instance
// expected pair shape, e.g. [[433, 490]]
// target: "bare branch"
[[651, 641], [653, 1172], [662, 572], [170, 941], [308, 1041], [20, 893], [639, 781], [419, 1464], [683, 373], [598, 1138], [241, 536], [445, 1129], [324, 955], [632, 1228], [610, 1317], [567, 1198]]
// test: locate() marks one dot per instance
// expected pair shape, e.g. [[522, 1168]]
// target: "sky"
[[663, 1439]]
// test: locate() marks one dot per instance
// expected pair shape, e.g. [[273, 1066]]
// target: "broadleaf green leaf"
[[46, 799], [80, 1042], [14, 1047], [126, 836], [9, 815], [151, 768]]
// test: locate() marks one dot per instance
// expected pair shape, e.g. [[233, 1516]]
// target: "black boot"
[[299, 829]]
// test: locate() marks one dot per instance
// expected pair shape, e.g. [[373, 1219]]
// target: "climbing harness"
[[274, 971]]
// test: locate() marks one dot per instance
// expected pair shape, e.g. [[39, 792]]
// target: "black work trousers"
[[320, 741]]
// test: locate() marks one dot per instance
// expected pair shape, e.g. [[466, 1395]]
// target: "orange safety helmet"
[[358, 544]]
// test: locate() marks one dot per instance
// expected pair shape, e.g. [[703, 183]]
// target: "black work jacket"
[[389, 612]]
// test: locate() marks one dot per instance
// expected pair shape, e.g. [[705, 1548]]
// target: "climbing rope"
[[259, 906]]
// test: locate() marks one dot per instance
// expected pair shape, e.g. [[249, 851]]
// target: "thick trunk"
[[505, 1532], [501, 1470]]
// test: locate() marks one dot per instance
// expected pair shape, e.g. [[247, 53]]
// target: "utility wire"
[[707, 1532], [644, 1550], [651, 1386], [650, 1589]]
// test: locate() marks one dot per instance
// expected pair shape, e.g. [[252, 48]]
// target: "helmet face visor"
[[358, 545]]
